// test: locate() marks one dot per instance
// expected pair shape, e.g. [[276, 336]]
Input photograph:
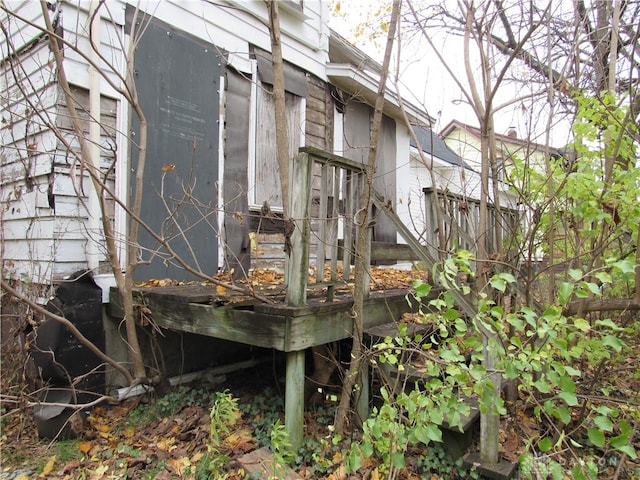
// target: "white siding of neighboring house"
[[408, 182], [446, 176], [466, 147], [45, 245]]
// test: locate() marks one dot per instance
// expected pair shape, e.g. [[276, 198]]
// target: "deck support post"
[[294, 398]]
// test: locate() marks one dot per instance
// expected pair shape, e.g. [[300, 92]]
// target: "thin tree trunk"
[[361, 269], [282, 142], [489, 421], [124, 284]]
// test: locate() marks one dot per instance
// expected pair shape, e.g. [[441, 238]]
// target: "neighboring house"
[[434, 167], [203, 72], [444, 177], [465, 139]]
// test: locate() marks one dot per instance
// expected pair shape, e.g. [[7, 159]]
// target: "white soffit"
[[364, 85]]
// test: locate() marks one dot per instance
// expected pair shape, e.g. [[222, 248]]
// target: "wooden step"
[[503, 470]]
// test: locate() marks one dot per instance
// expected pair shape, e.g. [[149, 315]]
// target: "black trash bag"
[[53, 418], [59, 355]]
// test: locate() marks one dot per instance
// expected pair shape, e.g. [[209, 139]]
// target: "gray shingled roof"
[[440, 149]]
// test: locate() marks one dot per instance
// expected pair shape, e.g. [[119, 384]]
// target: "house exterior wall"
[[233, 24], [408, 182], [44, 214], [465, 142], [26, 170]]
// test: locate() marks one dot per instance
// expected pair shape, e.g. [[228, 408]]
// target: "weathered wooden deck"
[[201, 310]]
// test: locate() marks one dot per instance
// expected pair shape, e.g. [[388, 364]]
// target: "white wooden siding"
[[21, 33], [76, 32], [26, 85]]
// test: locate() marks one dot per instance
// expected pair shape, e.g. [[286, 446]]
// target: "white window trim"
[[221, 167], [253, 127]]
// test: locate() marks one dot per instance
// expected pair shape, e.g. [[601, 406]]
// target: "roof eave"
[[364, 85]]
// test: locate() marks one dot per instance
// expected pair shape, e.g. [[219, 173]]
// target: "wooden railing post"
[[297, 270]]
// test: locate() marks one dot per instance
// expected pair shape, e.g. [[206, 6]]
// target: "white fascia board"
[[438, 163], [364, 84]]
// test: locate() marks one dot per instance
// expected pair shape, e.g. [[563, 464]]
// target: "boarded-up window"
[[266, 173], [264, 180], [178, 83], [357, 131]]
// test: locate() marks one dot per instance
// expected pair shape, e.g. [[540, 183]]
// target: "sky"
[[428, 85]]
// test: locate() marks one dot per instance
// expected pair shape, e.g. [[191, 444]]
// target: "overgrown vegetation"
[[566, 341]]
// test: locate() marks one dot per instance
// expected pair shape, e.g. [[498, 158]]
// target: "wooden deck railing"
[[336, 183], [323, 205]]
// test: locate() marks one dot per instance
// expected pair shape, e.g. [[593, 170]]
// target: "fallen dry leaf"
[[85, 447], [167, 444], [48, 467], [179, 465], [241, 441], [99, 472]]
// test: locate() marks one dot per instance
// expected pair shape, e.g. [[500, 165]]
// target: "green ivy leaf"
[[604, 277], [567, 384], [498, 284], [575, 274], [545, 444], [397, 459], [581, 324], [556, 470], [563, 414], [603, 410], [436, 416], [596, 437], [613, 342], [569, 398], [422, 289], [626, 266], [578, 474], [624, 427], [608, 323], [434, 433], [542, 386], [593, 288], [564, 293], [603, 423], [477, 371], [629, 450], [574, 372], [581, 293], [451, 314]]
